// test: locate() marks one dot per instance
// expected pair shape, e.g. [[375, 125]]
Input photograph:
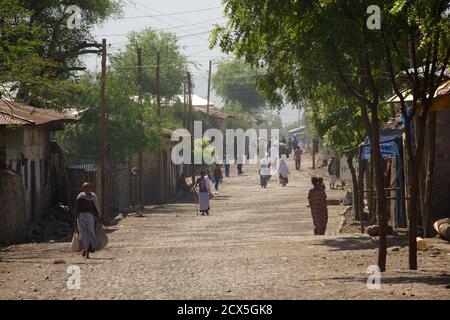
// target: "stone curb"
[[342, 219]]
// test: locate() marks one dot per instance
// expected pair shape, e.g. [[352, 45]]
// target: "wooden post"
[[161, 173], [141, 155], [158, 87], [370, 187], [184, 105], [190, 125], [103, 137], [209, 87]]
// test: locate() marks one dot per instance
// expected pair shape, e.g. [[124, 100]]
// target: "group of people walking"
[[203, 187], [89, 235], [317, 197]]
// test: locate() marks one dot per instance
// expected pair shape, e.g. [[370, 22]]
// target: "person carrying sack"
[[89, 234]]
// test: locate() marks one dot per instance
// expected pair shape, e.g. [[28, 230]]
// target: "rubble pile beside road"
[[49, 229]]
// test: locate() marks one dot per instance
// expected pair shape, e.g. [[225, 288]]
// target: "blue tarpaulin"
[[388, 144]]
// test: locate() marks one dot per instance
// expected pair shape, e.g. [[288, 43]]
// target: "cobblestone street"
[[257, 244]]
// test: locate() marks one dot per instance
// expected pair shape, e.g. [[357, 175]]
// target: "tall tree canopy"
[[302, 44], [235, 82], [133, 124], [53, 50], [173, 62]]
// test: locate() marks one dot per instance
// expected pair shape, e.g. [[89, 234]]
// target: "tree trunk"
[[412, 216], [361, 169], [428, 231], [380, 201], [370, 189], [413, 201], [356, 203]]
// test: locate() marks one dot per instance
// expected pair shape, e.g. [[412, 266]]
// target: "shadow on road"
[[362, 243], [349, 243], [437, 280]]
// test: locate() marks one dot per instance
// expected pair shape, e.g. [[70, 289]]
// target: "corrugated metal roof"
[[7, 119], [31, 115], [213, 112], [89, 167]]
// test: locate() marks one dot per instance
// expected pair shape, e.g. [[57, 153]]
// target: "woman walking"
[[284, 172], [87, 213], [264, 173], [318, 203], [203, 185]]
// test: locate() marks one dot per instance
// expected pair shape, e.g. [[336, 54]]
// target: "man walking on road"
[[332, 171], [264, 172], [298, 157], [217, 176]]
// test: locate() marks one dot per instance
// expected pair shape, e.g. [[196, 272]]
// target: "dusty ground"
[[257, 244]]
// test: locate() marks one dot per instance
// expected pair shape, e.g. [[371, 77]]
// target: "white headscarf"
[[283, 170], [90, 197]]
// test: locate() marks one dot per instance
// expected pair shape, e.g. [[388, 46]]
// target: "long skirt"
[[86, 228], [284, 180], [263, 180], [333, 178], [203, 199], [320, 220]]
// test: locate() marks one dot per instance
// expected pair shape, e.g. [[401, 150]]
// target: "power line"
[[193, 34], [168, 14], [159, 29], [161, 12], [133, 3]]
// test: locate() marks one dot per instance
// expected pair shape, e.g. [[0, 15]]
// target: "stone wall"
[[151, 176], [12, 208]]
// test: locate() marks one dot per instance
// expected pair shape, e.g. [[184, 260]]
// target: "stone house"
[[30, 162]]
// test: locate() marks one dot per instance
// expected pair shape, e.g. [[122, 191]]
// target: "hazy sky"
[[190, 20]]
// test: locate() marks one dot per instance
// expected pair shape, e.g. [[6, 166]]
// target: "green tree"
[[336, 119], [301, 44], [131, 125], [420, 56], [173, 62], [56, 48], [235, 82], [19, 43]]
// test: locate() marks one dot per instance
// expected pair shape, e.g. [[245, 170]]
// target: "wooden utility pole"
[[158, 87], [184, 105], [103, 137], [190, 125], [209, 87], [161, 172], [141, 155]]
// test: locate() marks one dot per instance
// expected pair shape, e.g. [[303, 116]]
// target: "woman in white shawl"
[[204, 190], [283, 170], [264, 172], [274, 154], [87, 212]]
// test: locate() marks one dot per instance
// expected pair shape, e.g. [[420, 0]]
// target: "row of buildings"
[[37, 174]]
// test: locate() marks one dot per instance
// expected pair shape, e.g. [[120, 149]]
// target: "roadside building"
[[32, 165]]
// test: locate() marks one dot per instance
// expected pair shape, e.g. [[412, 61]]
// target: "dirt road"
[[257, 244]]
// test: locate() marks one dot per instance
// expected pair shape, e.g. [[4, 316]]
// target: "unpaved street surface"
[[257, 244]]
